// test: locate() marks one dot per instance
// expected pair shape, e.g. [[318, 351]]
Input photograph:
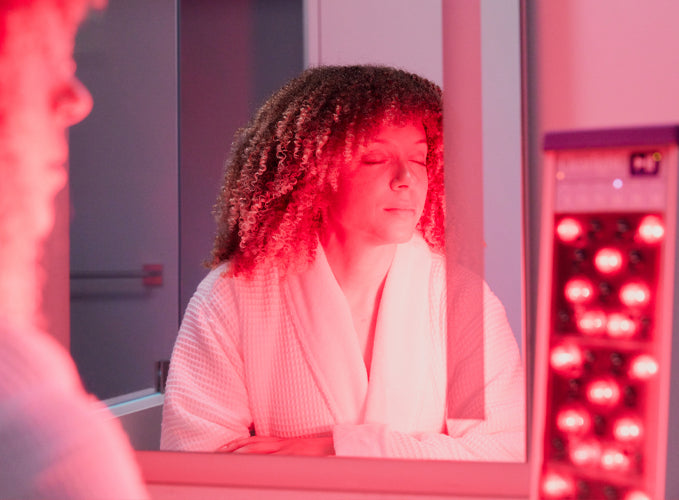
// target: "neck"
[[359, 268], [25, 219]]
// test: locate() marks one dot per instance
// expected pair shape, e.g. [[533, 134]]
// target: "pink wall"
[[607, 63]]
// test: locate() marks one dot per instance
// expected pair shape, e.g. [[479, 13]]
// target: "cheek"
[[351, 189], [423, 192]]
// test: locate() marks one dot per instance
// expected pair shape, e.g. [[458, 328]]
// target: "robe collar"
[[399, 359]]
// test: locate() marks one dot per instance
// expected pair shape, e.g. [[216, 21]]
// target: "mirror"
[[127, 56]]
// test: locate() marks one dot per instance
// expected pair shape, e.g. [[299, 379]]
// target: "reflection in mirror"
[[321, 328], [394, 143]]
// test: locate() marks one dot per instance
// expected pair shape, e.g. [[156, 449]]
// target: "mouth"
[[400, 211]]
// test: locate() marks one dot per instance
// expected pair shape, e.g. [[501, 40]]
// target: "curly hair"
[[283, 164]]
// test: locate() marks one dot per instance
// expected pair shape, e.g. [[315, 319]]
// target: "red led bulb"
[[586, 453], [627, 429], [614, 459], [608, 260], [620, 326], [557, 486], [567, 359], [569, 230], [642, 367], [636, 495], [635, 294], [574, 419], [579, 290], [592, 322], [651, 229], [604, 392]]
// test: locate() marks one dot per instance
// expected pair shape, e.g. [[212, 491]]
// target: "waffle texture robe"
[[56, 441], [281, 357]]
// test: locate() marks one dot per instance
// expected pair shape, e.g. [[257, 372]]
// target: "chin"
[[399, 237]]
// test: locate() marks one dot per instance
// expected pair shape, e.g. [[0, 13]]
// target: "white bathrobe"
[[282, 357], [56, 441]]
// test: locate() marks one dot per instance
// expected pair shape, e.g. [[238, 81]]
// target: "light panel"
[[604, 316]]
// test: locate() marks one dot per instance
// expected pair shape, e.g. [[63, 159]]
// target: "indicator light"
[[608, 260], [579, 291], [569, 230], [651, 229], [635, 294]]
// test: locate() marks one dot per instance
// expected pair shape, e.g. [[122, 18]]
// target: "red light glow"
[[627, 429], [579, 290], [603, 392], [620, 326], [635, 294], [592, 322], [608, 260], [557, 486], [643, 367], [567, 359], [636, 495], [651, 229], [613, 459], [569, 230], [574, 420], [585, 453]]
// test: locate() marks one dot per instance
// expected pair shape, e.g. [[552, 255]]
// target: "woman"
[[321, 328]]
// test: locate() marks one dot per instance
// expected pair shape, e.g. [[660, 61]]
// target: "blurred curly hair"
[[284, 164]]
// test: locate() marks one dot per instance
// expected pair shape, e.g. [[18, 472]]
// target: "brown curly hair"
[[282, 168]]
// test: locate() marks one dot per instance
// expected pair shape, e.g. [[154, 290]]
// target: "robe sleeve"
[[500, 436], [206, 401]]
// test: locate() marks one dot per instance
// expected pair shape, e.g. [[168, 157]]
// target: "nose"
[[403, 176], [72, 102]]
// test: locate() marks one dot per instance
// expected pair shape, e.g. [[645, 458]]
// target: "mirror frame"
[[335, 474], [181, 470]]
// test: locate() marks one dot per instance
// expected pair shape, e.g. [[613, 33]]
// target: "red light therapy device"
[[605, 314]]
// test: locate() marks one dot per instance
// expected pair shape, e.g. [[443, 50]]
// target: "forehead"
[[410, 132]]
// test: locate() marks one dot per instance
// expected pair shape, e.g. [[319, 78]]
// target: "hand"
[[267, 445]]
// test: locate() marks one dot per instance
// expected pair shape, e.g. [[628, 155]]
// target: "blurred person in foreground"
[[56, 441]]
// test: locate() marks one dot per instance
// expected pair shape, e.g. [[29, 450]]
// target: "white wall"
[[607, 63], [402, 33]]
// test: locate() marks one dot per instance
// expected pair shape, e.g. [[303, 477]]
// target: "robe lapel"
[[399, 368], [326, 333]]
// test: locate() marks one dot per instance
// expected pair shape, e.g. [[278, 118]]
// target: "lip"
[[400, 210]]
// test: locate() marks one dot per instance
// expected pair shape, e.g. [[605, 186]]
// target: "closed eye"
[[373, 159]]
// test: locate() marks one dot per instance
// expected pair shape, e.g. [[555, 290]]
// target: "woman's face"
[[381, 192]]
